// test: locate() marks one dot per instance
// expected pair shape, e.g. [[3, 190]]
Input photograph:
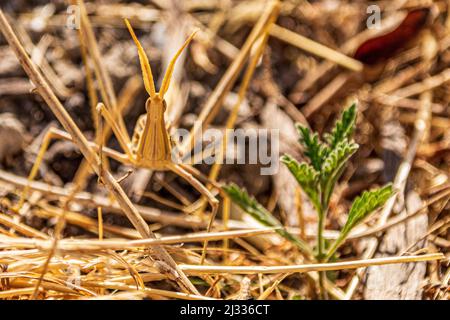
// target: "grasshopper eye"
[[148, 104]]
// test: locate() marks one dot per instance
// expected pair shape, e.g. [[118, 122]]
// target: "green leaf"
[[343, 128], [334, 165], [250, 205], [361, 208], [315, 150], [257, 211], [365, 204], [306, 176]]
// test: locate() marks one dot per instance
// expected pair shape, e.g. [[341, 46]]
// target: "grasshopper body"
[[150, 143]]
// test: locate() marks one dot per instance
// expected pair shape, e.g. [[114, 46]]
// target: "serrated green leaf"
[[334, 165], [365, 204], [306, 176], [257, 211], [315, 150], [361, 208], [339, 155], [250, 205], [343, 128]]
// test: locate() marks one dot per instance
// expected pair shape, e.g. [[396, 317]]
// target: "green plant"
[[327, 163], [318, 177]]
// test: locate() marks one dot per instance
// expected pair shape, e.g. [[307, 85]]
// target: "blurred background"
[[390, 56]]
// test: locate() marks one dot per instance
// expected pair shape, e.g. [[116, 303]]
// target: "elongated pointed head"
[[147, 70]]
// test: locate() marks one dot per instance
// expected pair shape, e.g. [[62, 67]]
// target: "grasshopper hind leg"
[[213, 202]]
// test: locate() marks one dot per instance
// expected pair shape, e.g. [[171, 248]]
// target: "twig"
[[21, 228], [354, 264], [325, 94], [315, 48], [107, 244], [94, 201], [214, 102]]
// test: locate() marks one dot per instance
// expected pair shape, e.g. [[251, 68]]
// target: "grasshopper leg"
[[213, 202]]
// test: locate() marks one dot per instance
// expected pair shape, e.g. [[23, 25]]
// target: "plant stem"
[[320, 226], [323, 292], [336, 244], [320, 245]]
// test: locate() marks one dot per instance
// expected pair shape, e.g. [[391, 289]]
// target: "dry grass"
[[89, 230]]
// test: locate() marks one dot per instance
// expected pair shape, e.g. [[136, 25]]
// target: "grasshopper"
[[150, 146]]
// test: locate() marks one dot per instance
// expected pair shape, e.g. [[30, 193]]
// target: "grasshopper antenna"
[[145, 65], [166, 81]]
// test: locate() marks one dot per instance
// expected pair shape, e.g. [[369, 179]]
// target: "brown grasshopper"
[[150, 146]]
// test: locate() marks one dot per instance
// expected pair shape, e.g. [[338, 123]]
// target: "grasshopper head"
[[156, 98], [155, 108]]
